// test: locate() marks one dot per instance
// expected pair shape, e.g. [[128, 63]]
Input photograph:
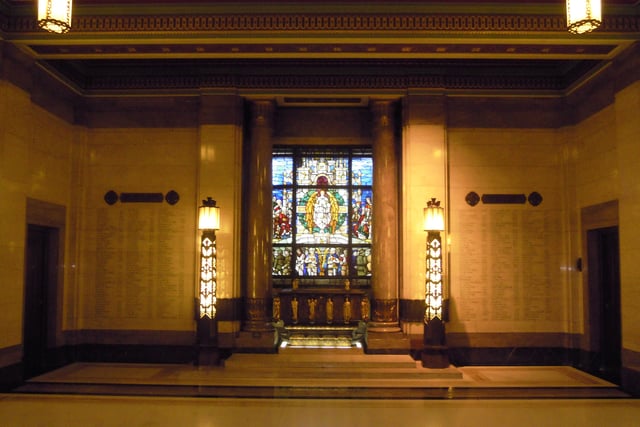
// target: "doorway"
[[604, 301], [39, 299]]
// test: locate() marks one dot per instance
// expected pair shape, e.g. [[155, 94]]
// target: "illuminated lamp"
[[54, 15], [434, 352], [207, 328], [583, 16]]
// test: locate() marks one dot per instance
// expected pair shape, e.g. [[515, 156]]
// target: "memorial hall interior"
[[525, 135]]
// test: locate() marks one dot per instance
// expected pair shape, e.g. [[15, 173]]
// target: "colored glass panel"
[[362, 171], [322, 207], [321, 216], [322, 261], [361, 259], [282, 211], [361, 209], [321, 170], [281, 261], [282, 170]]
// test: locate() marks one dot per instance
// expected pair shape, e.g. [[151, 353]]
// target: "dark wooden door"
[[39, 282], [604, 301]]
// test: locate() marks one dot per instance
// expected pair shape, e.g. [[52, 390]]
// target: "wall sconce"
[[54, 15], [434, 352], [583, 16], [208, 223]]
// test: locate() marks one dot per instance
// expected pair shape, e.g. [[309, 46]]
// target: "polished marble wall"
[[507, 258], [138, 258], [627, 132], [35, 163]]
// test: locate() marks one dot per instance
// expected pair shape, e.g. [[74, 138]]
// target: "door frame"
[[595, 217], [53, 217]]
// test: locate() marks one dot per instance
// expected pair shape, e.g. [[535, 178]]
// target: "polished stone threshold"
[[318, 374]]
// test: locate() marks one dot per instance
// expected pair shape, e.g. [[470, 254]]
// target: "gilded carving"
[[256, 309], [276, 309], [385, 310], [346, 310], [365, 308], [294, 310], [329, 310], [311, 303]]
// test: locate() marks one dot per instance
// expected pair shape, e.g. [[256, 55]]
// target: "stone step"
[[348, 358]]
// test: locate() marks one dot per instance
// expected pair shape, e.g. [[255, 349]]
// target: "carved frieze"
[[296, 22]]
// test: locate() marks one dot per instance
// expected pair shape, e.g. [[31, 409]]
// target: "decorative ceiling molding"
[[332, 75], [324, 22], [470, 45], [410, 49]]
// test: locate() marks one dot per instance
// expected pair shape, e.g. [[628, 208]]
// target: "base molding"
[[630, 380], [129, 353], [255, 342], [509, 356], [11, 376], [387, 343]]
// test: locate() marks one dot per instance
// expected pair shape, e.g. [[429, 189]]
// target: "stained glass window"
[[322, 204]]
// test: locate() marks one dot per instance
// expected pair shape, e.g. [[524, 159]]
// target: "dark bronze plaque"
[[535, 198], [141, 197], [507, 199], [111, 197], [472, 198], [172, 197]]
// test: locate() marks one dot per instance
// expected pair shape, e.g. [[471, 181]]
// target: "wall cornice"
[[324, 22]]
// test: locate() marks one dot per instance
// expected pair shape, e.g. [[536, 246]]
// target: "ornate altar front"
[[321, 307], [321, 317]]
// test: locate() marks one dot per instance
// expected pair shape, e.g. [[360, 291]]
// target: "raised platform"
[[304, 373], [349, 365]]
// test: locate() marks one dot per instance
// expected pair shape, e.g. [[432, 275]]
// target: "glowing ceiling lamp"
[[54, 15], [583, 16]]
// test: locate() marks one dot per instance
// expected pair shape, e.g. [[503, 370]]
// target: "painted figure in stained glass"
[[362, 261], [281, 263], [312, 262], [322, 213], [361, 215], [300, 264], [362, 219], [321, 208], [332, 265], [281, 212]]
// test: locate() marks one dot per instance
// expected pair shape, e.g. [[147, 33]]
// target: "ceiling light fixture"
[[583, 16], [54, 15]]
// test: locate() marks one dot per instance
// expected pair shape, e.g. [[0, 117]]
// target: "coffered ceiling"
[[506, 46]]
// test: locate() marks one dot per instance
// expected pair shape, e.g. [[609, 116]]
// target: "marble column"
[[258, 243], [385, 219]]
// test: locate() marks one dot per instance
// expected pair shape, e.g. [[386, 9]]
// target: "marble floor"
[[316, 389], [17, 410]]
